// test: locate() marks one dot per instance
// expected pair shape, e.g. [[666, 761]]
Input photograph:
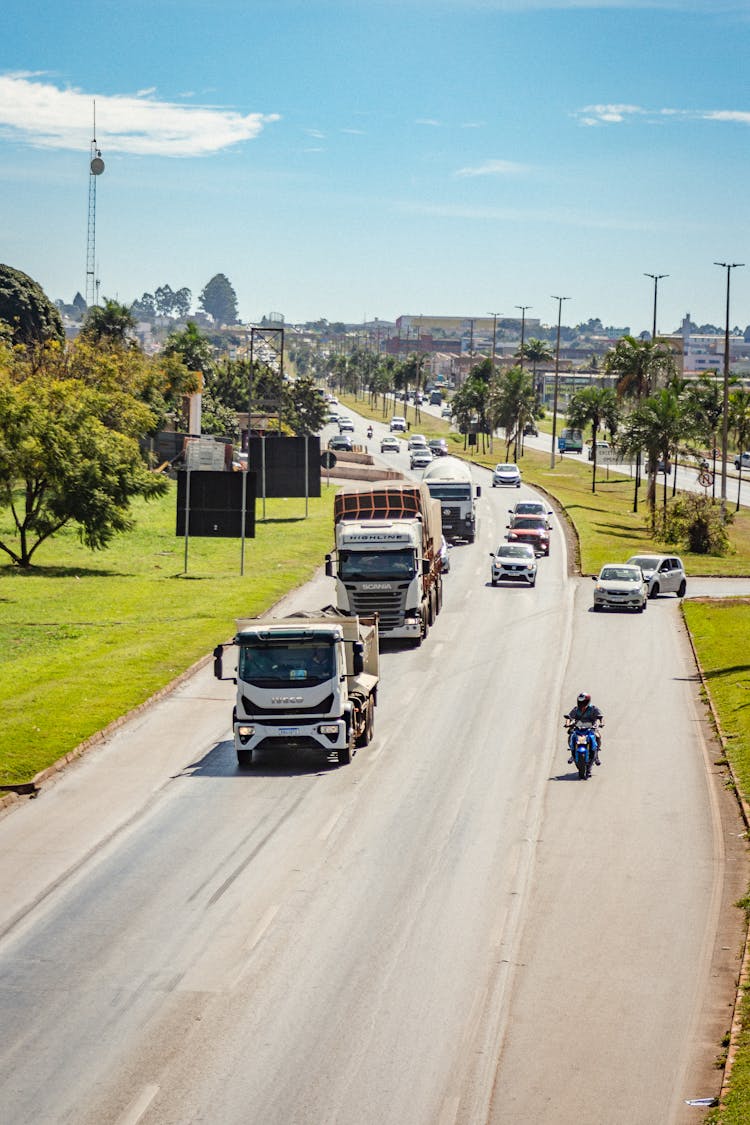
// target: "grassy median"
[[86, 636]]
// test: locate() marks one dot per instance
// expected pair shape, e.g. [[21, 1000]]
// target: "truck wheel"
[[345, 753], [245, 759]]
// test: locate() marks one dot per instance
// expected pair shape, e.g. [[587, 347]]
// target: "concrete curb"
[[744, 977]]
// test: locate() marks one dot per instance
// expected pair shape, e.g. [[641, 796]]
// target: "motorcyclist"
[[585, 712], [369, 431]]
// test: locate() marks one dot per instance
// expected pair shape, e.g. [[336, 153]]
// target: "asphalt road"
[[451, 929]]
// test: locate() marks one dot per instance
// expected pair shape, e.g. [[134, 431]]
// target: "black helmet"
[[583, 700]]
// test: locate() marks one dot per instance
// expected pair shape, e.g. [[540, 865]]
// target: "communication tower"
[[96, 167]]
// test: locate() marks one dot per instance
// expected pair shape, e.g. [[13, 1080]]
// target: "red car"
[[529, 529]]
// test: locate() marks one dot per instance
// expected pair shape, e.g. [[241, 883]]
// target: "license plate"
[[288, 730]]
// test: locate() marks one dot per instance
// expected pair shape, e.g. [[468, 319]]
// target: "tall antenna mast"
[[96, 167]]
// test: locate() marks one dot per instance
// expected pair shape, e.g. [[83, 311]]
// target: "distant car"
[[532, 508], [530, 529], [420, 457], [333, 416], [446, 412], [340, 442], [438, 447], [664, 574], [390, 445], [445, 559], [602, 451], [418, 398], [530, 430], [398, 424], [513, 562], [620, 586], [415, 440], [506, 474], [743, 460], [346, 426]]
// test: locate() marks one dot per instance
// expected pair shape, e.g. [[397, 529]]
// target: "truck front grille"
[[388, 603]]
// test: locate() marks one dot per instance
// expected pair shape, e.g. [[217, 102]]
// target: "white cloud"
[[42, 115], [607, 114], [616, 114], [428, 121], [493, 168]]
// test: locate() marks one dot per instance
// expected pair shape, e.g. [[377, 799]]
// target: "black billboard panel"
[[216, 503], [285, 465]]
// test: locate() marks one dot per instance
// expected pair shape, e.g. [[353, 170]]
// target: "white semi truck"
[[306, 682], [387, 557], [449, 481]]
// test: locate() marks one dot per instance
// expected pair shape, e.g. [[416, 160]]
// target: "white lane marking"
[[254, 940], [329, 827], [137, 1108]]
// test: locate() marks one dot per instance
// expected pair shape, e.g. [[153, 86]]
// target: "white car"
[[506, 474], [415, 440], [398, 424], [664, 574], [620, 586], [743, 460], [513, 562], [420, 457], [532, 508], [346, 426], [390, 445]]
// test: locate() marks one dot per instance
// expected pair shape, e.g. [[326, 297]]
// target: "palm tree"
[[111, 322], [511, 405], [656, 425], [593, 405], [537, 351], [637, 365], [739, 419]]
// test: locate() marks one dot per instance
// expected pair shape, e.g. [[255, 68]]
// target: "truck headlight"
[[245, 732], [328, 728]]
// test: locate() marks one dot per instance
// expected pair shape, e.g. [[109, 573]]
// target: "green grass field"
[[88, 636]]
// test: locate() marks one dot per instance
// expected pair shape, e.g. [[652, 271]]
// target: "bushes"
[[697, 523]]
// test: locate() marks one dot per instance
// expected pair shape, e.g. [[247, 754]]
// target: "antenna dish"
[[97, 166]]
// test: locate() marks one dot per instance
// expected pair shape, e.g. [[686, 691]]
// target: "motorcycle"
[[583, 743], [369, 431]]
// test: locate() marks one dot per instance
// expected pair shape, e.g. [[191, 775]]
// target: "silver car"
[[513, 562], [664, 574], [620, 586]]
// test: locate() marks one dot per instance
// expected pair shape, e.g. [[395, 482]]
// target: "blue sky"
[[367, 158]]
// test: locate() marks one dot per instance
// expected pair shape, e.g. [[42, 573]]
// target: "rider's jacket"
[[588, 715]]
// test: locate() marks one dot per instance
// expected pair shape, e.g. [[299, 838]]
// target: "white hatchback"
[[506, 474], [664, 574]]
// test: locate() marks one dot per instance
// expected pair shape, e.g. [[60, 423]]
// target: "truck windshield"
[[449, 491], [278, 665], [384, 565]]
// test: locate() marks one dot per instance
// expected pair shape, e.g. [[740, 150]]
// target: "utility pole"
[[494, 316], [523, 309], [557, 378], [728, 266]]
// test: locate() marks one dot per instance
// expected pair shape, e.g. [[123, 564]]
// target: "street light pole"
[[728, 266], [557, 378], [656, 279], [523, 309], [494, 316]]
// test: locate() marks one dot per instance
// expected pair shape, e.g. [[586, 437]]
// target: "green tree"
[[593, 406], [303, 410], [61, 462], [657, 425], [739, 420], [219, 300], [110, 322], [25, 307], [192, 347], [511, 405]]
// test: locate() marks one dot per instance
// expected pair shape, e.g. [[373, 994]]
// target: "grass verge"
[[720, 630], [85, 637]]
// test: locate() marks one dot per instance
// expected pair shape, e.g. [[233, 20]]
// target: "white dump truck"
[[307, 682], [449, 481], [387, 556]]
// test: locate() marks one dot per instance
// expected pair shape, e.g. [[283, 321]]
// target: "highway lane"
[[390, 941]]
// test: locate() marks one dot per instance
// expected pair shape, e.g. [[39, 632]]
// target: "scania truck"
[[387, 557], [449, 481], [306, 682]]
